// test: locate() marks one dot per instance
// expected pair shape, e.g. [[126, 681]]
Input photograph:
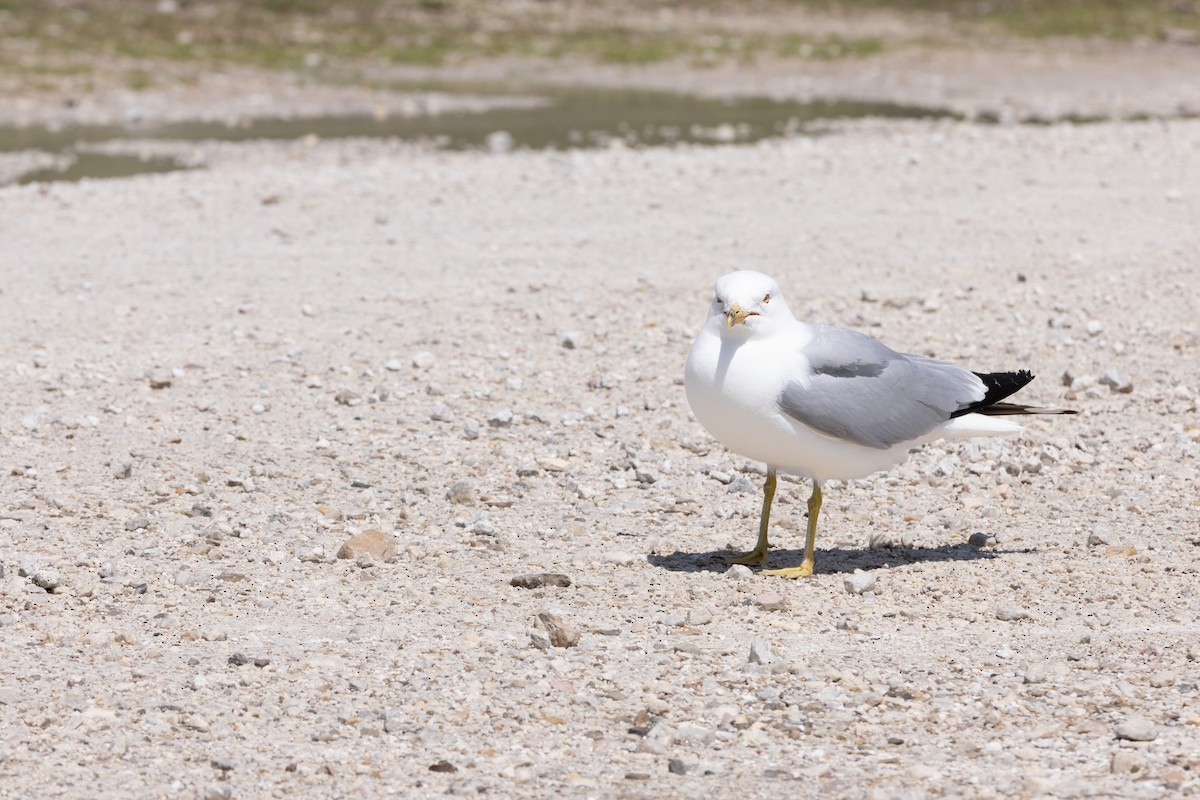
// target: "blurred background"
[[90, 42], [548, 73]]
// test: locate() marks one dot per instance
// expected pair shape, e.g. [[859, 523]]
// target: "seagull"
[[827, 403]]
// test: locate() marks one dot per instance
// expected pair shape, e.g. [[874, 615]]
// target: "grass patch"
[[283, 33], [139, 80], [625, 46], [1110, 19], [301, 34]]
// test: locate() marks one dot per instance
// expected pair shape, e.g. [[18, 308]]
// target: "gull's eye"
[[767, 298], [718, 301]]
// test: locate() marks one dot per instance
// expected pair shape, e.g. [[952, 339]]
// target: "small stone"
[[311, 554], [1115, 382], [123, 470], [760, 653], [239, 659], [619, 557], [771, 601], [674, 620], [646, 475], [218, 791], [393, 365], [501, 418], [484, 527], [1011, 614], [470, 429], [1094, 327], [981, 539], [346, 397], [463, 493], [676, 767], [137, 523], [1137, 729], [394, 720], [1125, 762], [443, 766], [738, 572], [196, 722], [423, 360], [549, 464], [540, 580], [1161, 680], [1102, 536], [161, 380], [378, 545], [441, 413], [561, 634], [46, 578], [699, 616], [694, 733], [1047, 671], [741, 485], [859, 582], [539, 639], [569, 340]]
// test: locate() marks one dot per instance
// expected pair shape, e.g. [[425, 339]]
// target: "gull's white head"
[[746, 303]]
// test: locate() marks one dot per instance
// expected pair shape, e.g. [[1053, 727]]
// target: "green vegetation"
[[41, 39], [1110, 19], [1116, 20], [295, 33]]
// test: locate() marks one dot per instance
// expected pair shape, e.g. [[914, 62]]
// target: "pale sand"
[[280, 293]]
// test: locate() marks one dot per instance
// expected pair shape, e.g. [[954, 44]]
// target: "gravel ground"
[[215, 379]]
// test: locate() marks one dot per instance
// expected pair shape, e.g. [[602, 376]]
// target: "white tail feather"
[[969, 425]]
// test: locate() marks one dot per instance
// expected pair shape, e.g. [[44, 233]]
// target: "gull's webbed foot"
[[803, 571], [756, 557]]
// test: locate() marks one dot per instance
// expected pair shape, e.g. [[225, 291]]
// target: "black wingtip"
[[1009, 409], [1000, 385]]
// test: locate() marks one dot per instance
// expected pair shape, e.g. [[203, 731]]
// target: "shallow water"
[[571, 119]]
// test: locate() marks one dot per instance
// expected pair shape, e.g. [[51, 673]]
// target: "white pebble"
[[859, 582], [739, 572]]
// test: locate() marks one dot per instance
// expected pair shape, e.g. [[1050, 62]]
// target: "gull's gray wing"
[[862, 391]]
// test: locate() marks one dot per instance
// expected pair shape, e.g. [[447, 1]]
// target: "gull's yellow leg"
[[759, 554], [810, 540]]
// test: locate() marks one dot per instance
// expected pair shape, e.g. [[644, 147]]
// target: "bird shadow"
[[834, 559]]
